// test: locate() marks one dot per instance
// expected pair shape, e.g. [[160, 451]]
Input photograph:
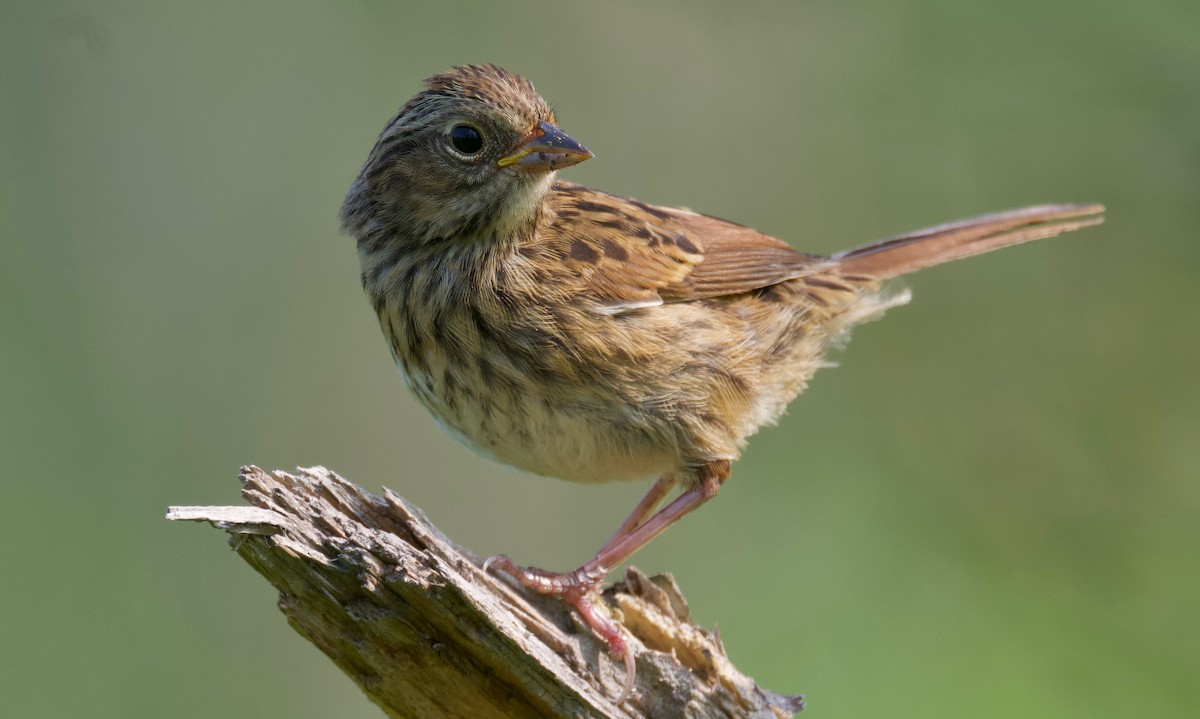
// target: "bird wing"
[[626, 254]]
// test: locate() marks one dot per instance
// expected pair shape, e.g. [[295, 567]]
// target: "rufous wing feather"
[[628, 254]]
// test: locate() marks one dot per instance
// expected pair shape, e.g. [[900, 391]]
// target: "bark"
[[413, 620]]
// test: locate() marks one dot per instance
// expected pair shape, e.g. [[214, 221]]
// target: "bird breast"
[[499, 376]]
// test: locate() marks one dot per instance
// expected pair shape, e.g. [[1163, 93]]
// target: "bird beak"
[[546, 148]]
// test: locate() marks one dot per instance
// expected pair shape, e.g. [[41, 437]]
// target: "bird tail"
[[902, 254]]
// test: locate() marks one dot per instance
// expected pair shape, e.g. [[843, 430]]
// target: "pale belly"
[[578, 437]]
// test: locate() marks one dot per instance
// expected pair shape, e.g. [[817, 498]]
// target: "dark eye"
[[466, 139]]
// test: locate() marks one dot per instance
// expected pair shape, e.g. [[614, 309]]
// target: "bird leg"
[[648, 503], [580, 588]]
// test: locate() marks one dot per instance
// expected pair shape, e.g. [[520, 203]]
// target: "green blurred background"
[[989, 509]]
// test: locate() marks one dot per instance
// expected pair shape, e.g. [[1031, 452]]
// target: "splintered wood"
[[415, 622]]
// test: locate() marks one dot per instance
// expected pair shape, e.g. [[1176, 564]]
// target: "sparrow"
[[579, 334]]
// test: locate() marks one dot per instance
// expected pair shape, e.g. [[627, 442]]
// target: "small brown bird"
[[578, 334]]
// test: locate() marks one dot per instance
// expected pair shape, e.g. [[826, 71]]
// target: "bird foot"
[[580, 589]]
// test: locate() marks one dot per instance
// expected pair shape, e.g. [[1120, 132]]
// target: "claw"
[[580, 589], [586, 602], [627, 687]]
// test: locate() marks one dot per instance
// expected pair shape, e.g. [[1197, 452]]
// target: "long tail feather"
[[925, 248]]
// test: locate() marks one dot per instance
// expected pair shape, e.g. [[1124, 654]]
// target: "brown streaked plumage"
[[583, 335]]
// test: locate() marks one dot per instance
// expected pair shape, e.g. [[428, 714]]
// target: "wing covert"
[[629, 254]]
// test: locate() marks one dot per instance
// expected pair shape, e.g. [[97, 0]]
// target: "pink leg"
[[579, 587], [644, 507]]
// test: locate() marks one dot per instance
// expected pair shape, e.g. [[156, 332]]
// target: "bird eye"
[[466, 139]]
